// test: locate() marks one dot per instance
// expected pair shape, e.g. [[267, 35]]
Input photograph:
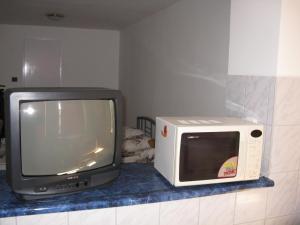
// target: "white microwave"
[[197, 150]]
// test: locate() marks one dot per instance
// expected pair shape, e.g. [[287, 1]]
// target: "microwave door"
[[208, 155]]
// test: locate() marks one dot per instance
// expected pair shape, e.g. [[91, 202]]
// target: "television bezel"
[[27, 186]]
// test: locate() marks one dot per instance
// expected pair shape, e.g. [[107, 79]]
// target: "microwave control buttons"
[[252, 147], [252, 167], [253, 164], [252, 174], [253, 156], [256, 133], [253, 161]]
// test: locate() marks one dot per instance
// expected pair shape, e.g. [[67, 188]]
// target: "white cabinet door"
[[42, 63]]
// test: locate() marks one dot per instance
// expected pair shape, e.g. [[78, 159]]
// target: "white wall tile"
[[44, 219], [282, 197], [251, 97], [146, 214], [217, 210], [285, 154], [267, 145], [283, 220], [180, 212], [260, 222], [298, 196], [93, 217], [235, 95], [287, 104], [297, 219], [8, 221], [259, 98], [250, 205], [271, 102]]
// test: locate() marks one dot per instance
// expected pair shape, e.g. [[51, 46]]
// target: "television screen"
[[66, 136]]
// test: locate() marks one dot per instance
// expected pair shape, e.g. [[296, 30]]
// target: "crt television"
[[62, 140]]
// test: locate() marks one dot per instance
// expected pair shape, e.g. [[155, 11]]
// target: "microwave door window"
[[210, 155]]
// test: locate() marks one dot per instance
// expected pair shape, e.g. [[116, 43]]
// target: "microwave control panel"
[[254, 154]]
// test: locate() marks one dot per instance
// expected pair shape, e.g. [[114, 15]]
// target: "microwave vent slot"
[[194, 122], [204, 122], [215, 121], [183, 122], [199, 122]]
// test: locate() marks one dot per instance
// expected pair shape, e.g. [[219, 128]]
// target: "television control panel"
[[64, 186]]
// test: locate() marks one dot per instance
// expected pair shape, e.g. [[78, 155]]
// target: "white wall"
[[175, 62], [254, 34], [289, 39], [89, 57], [265, 38]]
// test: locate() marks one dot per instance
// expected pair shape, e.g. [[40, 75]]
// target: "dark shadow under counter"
[[137, 184]]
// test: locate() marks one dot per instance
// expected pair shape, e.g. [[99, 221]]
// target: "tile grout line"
[[267, 203], [159, 207], [234, 207], [250, 222], [271, 92], [115, 215], [199, 211], [297, 190], [270, 150]]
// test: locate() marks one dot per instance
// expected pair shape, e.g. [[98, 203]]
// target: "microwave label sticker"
[[229, 168], [164, 132]]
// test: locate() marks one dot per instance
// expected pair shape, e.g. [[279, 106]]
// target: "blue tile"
[[137, 184]]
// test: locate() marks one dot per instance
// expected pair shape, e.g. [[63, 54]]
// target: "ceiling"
[[99, 14]]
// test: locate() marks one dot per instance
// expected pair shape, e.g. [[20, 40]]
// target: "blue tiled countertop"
[[137, 184]]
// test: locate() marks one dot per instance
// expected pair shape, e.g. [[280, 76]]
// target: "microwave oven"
[[198, 150]]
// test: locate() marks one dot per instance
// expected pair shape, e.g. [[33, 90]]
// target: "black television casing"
[[36, 187]]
